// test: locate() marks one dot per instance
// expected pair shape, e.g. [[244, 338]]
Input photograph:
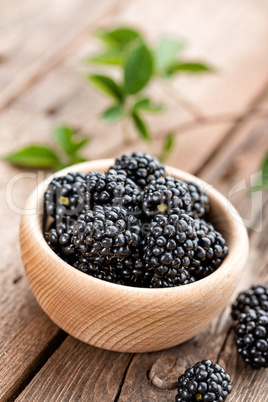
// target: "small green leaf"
[[66, 138], [112, 114], [138, 69], [262, 183], [107, 86], [111, 57], [147, 105], [165, 54], [119, 38], [190, 67], [168, 146], [141, 127], [37, 156]]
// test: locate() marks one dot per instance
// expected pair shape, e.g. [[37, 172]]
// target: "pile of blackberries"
[[250, 314], [133, 225]]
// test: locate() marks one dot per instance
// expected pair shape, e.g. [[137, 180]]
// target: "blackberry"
[[100, 271], [205, 381], [106, 232], [132, 268], [169, 247], [164, 195], [141, 168], [59, 237], [114, 188], [199, 200], [255, 298], [64, 196], [251, 338], [211, 250]]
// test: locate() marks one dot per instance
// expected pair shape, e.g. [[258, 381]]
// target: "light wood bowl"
[[124, 318]]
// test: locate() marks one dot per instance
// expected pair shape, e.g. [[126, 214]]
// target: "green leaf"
[[168, 146], [112, 114], [107, 86], [147, 105], [66, 138], [165, 54], [111, 57], [37, 156], [138, 69], [262, 183], [190, 67], [141, 127], [119, 38]]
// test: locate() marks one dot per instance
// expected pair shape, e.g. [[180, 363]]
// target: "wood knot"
[[165, 371]]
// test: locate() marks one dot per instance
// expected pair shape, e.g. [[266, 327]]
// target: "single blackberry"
[[106, 232], [59, 237], [114, 188], [100, 271], [169, 247], [132, 268], [164, 195], [205, 381], [251, 338], [141, 168], [65, 196], [211, 250], [199, 200], [255, 298]]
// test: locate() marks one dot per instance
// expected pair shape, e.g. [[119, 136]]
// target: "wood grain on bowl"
[[123, 318]]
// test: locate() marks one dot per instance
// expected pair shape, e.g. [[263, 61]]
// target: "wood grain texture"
[[81, 373], [36, 37], [139, 324]]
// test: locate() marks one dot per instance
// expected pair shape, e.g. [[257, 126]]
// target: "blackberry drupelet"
[[199, 200], [65, 196], [106, 233], [255, 298], [251, 338], [141, 168], [114, 188], [169, 247], [211, 250], [164, 195], [205, 381]]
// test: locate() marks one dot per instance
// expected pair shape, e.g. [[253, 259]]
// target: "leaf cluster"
[[127, 49], [69, 144]]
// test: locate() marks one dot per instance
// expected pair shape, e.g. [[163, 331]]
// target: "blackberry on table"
[[211, 250], [141, 168], [106, 232], [199, 200], [251, 338], [164, 195], [205, 381], [169, 247], [254, 298], [64, 196]]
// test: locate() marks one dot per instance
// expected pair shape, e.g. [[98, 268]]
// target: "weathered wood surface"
[[41, 86]]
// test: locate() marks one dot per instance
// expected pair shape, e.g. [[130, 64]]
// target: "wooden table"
[[41, 48]]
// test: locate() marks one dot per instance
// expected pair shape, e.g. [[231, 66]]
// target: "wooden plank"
[[209, 343], [45, 31], [80, 373]]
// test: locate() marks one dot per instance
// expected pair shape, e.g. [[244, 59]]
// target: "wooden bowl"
[[124, 318]]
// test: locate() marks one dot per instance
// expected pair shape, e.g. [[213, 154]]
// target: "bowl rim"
[[34, 223]]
